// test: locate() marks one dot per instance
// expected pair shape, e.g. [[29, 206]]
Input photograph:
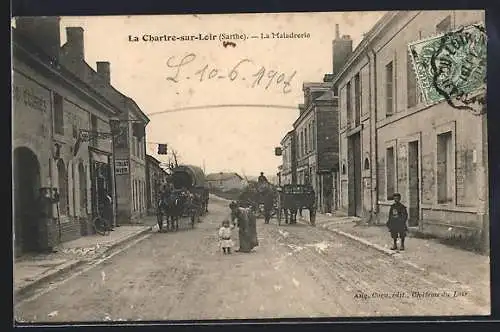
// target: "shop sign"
[[30, 99], [121, 166]]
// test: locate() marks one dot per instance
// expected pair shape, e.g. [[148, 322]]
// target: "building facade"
[[51, 105], [128, 139], [288, 172], [317, 143], [155, 179], [390, 141], [131, 153], [225, 181]]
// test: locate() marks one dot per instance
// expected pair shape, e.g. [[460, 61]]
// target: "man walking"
[[397, 222]]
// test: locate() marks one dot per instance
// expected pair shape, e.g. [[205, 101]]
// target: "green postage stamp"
[[452, 66]]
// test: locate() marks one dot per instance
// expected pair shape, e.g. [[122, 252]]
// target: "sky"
[[236, 137]]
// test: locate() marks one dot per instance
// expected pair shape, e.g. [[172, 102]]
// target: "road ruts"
[[183, 275], [357, 269]]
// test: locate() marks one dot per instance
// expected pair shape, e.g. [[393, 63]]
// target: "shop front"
[[101, 174]]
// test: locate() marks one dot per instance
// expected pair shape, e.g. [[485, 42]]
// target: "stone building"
[[155, 178], [390, 141], [50, 106], [225, 181], [129, 140], [288, 172], [131, 152], [317, 142]]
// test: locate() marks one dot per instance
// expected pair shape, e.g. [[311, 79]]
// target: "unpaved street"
[[297, 271]]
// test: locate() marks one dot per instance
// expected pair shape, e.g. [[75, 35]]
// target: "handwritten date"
[[261, 77]]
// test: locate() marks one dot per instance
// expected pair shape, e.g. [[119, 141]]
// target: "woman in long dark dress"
[[247, 227]]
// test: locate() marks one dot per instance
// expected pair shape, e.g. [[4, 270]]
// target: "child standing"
[[397, 222], [225, 232]]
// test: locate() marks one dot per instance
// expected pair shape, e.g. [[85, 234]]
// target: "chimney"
[[341, 50], [74, 39], [42, 31], [104, 71], [337, 31]]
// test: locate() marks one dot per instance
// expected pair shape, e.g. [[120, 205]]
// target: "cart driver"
[[262, 179]]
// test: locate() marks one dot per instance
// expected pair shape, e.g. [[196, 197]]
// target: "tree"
[[173, 159]]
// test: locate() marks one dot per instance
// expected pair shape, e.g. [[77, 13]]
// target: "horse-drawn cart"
[[261, 198], [295, 197], [189, 197]]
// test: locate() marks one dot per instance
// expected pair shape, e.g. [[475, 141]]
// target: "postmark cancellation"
[[451, 67]]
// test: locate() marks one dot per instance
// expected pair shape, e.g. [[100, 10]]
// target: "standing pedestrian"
[[397, 222], [225, 234], [268, 205], [108, 210], [247, 227]]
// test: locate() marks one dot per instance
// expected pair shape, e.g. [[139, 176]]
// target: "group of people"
[[245, 220], [247, 230]]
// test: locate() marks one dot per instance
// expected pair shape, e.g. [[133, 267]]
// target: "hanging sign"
[[86, 135]]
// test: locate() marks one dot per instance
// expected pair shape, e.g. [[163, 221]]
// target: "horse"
[[170, 206]]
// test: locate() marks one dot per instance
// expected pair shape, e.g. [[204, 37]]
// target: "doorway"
[[354, 175], [26, 187], [413, 184]]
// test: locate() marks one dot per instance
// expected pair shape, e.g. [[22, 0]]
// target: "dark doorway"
[[354, 175], [414, 180], [26, 187], [328, 192]]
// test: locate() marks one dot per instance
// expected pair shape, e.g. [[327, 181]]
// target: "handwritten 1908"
[[261, 77]]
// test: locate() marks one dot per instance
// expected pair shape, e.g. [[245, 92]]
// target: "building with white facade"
[[390, 141]]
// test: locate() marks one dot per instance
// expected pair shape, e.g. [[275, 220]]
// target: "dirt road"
[[297, 271]]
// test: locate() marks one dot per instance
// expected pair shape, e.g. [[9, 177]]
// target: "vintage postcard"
[[245, 166]]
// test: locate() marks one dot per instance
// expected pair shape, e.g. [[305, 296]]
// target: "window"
[[389, 75], [75, 131], [93, 125], [58, 114], [306, 147], [62, 177], [135, 195], [343, 169], [141, 148], [444, 26], [140, 194], [390, 172], [133, 145], [444, 167], [411, 83], [301, 143], [367, 164], [348, 103], [313, 136], [357, 99]]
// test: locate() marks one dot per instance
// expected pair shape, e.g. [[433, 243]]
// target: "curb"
[[390, 253], [361, 240], [75, 263], [49, 276], [125, 240]]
